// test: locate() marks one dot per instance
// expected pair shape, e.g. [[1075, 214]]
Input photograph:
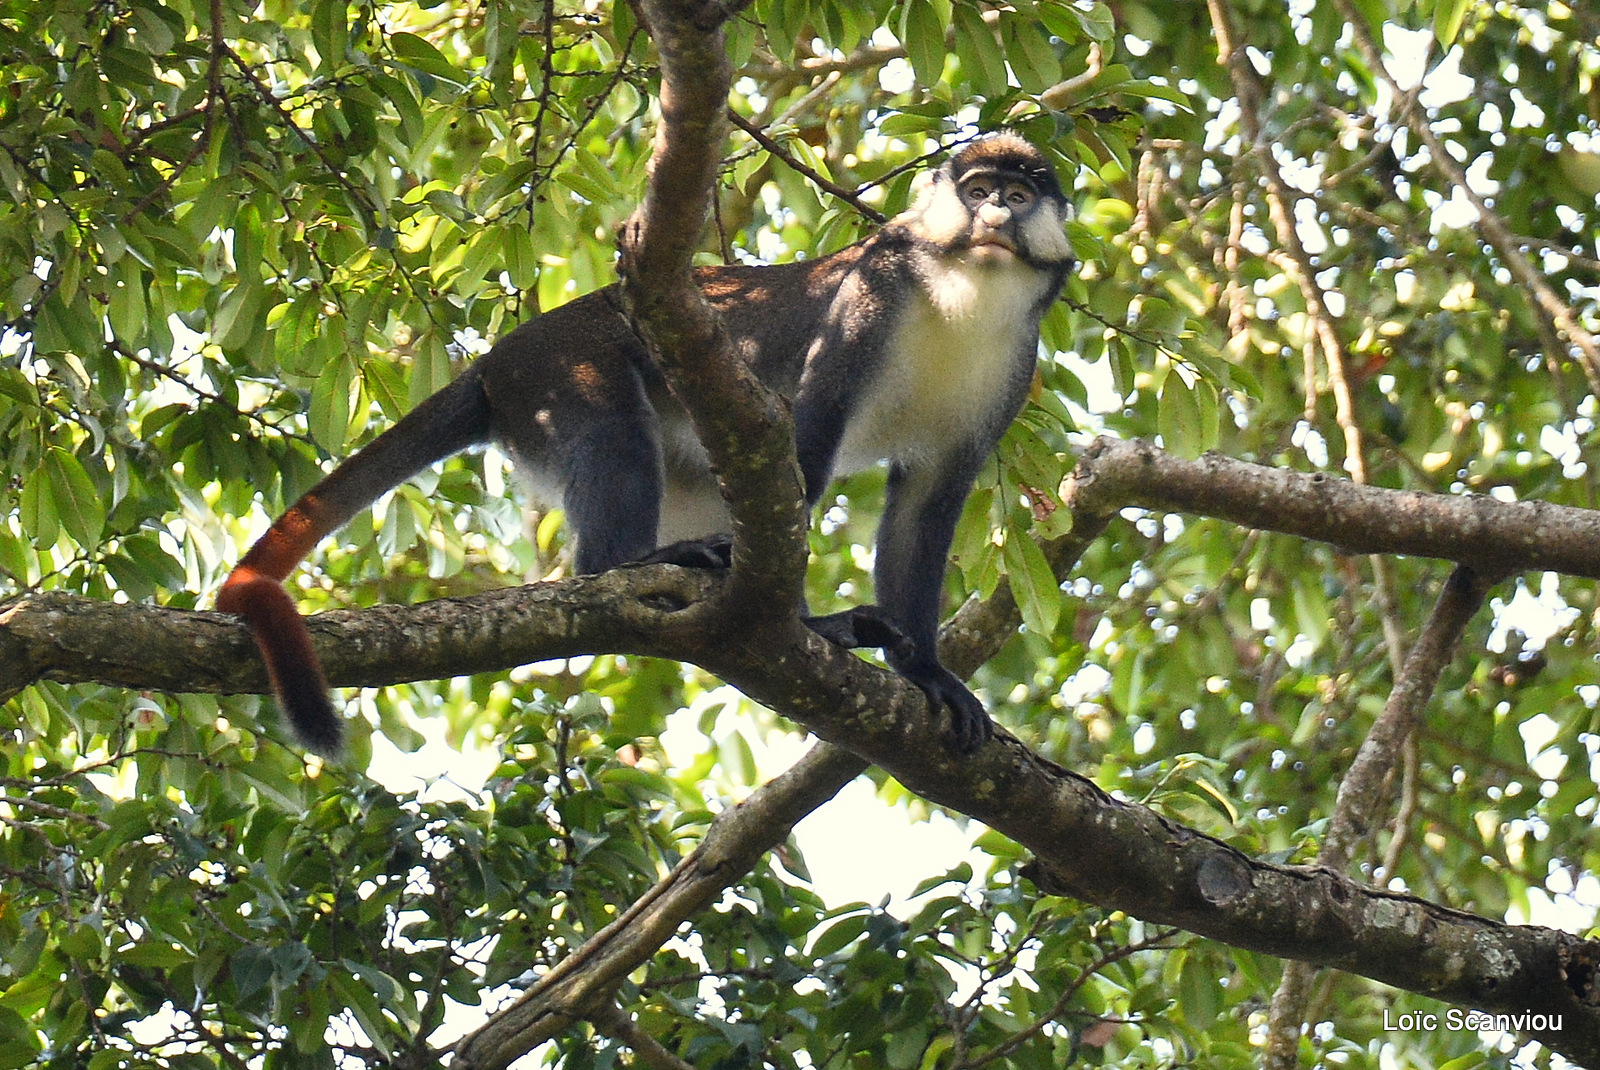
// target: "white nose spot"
[[994, 215]]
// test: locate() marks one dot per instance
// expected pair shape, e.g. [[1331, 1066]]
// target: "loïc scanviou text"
[[1455, 1020]]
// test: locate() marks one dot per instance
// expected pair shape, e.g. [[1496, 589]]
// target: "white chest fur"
[[953, 357]]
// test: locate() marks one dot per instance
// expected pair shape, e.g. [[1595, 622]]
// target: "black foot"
[[863, 626], [713, 551], [970, 726], [870, 626]]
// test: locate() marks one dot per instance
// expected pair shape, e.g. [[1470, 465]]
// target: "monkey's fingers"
[[864, 626]]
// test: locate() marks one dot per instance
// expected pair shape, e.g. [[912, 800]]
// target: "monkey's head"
[[996, 199]]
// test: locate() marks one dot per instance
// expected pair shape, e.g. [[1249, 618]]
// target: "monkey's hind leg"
[[612, 493], [712, 551]]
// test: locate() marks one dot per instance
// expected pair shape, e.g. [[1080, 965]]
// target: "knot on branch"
[[1222, 878], [1580, 968]]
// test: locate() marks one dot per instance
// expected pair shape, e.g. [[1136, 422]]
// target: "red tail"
[[455, 418], [254, 590]]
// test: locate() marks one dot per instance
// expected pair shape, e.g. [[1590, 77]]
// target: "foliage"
[[238, 241]]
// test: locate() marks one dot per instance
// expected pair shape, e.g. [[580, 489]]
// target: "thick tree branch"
[[742, 425], [1088, 844], [732, 845], [1486, 534], [1127, 857], [660, 610]]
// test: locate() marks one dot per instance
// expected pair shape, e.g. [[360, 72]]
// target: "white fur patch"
[[938, 214], [1044, 236], [953, 356]]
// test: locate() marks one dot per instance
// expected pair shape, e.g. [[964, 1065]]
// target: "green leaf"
[[1212, 411], [1097, 22], [1447, 16], [386, 386], [251, 967], [522, 260], [354, 994], [978, 48], [430, 369], [923, 36], [961, 874], [1200, 991], [241, 318], [419, 54], [899, 124], [329, 31], [1178, 419], [76, 501], [1032, 59], [404, 102], [249, 242], [1311, 610], [329, 417], [39, 516], [1032, 583], [152, 35], [839, 935], [127, 310]]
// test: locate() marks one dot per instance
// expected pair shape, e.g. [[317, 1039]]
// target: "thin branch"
[[1409, 798], [611, 1020], [1033, 1029], [821, 181], [731, 847], [1360, 794]]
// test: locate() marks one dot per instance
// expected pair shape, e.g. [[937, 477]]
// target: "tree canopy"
[[1281, 588]]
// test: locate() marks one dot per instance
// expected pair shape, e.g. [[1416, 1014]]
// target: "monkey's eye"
[[1019, 197], [977, 191]]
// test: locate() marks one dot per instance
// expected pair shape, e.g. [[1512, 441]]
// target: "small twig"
[[762, 138], [613, 1022], [1115, 955], [1407, 810]]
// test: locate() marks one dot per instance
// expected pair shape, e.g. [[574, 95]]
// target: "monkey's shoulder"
[[732, 287]]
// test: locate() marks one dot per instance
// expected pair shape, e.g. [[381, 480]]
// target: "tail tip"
[[317, 725]]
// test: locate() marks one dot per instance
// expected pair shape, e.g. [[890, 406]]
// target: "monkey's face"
[[996, 206], [996, 202]]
